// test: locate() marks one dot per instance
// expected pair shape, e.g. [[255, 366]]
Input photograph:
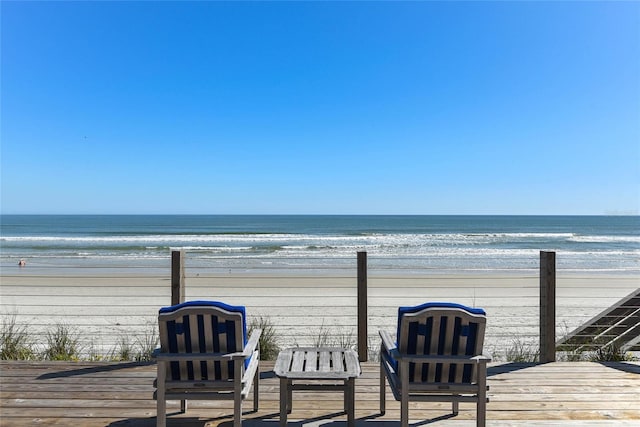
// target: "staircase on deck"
[[617, 327]]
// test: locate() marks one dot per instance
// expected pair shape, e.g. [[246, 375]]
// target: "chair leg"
[[237, 394], [404, 412], [256, 389], [481, 410], [382, 387], [481, 414], [404, 394], [161, 420], [237, 410], [455, 407], [161, 403], [183, 406]]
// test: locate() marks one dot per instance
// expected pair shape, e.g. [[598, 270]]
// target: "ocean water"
[[395, 244]]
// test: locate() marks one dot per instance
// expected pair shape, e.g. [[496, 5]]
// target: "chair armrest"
[[186, 357], [389, 344], [435, 358], [252, 343], [392, 348], [249, 347]]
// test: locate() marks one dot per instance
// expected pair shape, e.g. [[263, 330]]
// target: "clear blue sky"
[[320, 107]]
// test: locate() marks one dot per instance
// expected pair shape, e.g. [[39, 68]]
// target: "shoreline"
[[345, 270]]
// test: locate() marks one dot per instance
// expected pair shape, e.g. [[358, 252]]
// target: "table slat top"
[[317, 363]]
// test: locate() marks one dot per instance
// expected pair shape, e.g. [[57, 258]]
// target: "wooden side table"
[[306, 368]]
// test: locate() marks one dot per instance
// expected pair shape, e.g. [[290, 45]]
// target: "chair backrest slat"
[[202, 327], [443, 329]]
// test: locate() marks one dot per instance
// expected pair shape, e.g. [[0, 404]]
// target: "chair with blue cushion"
[[205, 354], [437, 357]]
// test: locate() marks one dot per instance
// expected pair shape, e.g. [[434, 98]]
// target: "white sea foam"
[[477, 251], [489, 244], [606, 239]]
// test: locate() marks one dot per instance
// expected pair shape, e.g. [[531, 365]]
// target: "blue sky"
[[320, 107]]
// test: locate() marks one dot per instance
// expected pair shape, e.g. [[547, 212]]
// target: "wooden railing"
[[547, 301], [347, 301]]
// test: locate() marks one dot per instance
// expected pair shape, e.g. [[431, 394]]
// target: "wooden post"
[[177, 277], [547, 307], [363, 347]]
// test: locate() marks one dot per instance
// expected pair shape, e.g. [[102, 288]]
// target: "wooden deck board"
[[112, 394]]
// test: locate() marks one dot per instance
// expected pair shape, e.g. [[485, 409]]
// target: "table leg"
[[345, 396], [350, 394], [284, 404]]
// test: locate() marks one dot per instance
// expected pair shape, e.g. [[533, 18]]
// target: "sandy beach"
[[107, 310]]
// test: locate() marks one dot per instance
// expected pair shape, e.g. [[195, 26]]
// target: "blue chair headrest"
[[414, 309], [231, 308]]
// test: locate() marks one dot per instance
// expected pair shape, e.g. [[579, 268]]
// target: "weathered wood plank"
[[107, 394], [316, 401]]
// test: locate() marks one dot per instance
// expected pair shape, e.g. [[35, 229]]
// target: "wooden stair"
[[616, 327]]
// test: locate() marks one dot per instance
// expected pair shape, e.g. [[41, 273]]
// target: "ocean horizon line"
[[636, 214]]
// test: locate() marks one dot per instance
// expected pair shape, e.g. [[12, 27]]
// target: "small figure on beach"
[[22, 263]]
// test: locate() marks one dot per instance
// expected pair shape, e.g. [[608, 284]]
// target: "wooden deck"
[[120, 394]]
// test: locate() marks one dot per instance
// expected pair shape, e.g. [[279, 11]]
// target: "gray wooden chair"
[[437, 357], [205, 354]]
